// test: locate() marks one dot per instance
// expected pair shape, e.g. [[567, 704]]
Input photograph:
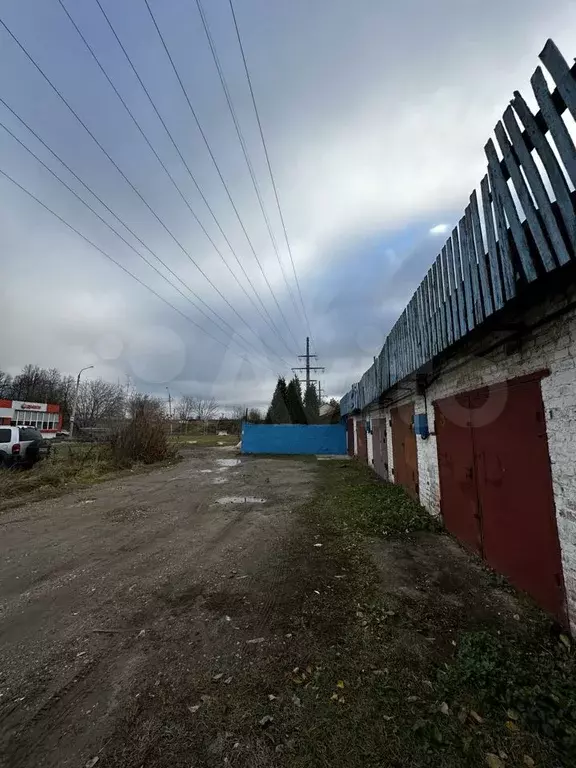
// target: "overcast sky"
[[375, 115]]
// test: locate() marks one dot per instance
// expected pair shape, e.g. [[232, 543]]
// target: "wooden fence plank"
[[508, 276], [556, 64], [453, 291], [493, 255], [423, 326], [403, 343], [432, 350], [415, 331], [503, 193], [419, 328], [525, 198], [442, 298], [458, 283], [436, 304], [411, 334], [447, 297], [554, 122], [430, 316], [465, 257], [474, 268], [564, 144], [481, 256], [537, 187], [557, 127], [425, 321], [386, 371], [434, 293]]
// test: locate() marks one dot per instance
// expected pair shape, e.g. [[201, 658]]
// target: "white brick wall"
[[370, 448], [551, 346]]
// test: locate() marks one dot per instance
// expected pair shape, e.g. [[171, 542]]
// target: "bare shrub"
[[144, 437]]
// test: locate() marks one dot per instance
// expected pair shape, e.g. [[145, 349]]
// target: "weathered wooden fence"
[[492, 253]]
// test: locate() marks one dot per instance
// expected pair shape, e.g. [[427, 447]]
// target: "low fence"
[[294, 438]]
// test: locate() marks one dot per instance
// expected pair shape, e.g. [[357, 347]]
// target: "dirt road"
[[263, 613], [96, 586]]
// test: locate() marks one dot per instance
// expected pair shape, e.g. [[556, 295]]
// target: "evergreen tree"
[[294, 402], [278, 412], [312, 405]]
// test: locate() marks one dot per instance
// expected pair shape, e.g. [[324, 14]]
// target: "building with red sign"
[[46, 417]]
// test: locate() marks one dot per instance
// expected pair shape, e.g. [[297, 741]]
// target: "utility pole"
[[75, 404], [308, 367], [319, 392]]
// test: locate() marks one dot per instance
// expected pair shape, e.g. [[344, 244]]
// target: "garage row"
[[486, 441]]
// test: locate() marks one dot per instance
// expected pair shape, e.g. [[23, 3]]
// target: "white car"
[[22, 446]]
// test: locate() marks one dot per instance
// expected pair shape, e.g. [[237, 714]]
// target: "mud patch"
[[225, 463], [241, 500]]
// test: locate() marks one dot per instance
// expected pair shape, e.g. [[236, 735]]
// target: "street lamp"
[[73, 416]]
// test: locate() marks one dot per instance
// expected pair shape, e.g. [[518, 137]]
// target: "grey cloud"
[[376, 117]]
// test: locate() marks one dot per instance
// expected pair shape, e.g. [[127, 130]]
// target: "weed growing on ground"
[[360, 501]]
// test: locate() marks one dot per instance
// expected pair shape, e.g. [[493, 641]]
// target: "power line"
[[249, 79], [101, 218], [113, 260], [269, 322], [208, 147], [93, 137], [145, 137], [242, 141]]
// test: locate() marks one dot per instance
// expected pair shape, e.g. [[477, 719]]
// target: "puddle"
[[219, 480], [228, 462], [240, 500]]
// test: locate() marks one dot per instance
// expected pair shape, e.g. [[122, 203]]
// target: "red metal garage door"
[[503, 498], [362, 446], [380, 447], [459, 497], [404, 448], [350, 434]]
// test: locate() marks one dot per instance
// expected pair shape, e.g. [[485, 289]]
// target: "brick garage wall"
[[552, 346]]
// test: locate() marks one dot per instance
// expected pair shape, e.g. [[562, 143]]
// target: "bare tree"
[[238, 412], [255, 416], [99, 402], [205, 408], [5, 384], [186, 408]]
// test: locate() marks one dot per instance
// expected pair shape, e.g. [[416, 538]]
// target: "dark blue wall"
[[294, 438]]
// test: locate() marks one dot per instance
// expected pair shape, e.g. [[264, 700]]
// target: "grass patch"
[[68, 467], [381, 694], [356, 499], [202, 441]]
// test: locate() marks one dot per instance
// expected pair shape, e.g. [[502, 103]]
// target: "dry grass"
[[69, 466]]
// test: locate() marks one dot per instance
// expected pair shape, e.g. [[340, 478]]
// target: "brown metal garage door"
[[380, 447], [350, 435], [362, 446], [404, 448], [496, 485]]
